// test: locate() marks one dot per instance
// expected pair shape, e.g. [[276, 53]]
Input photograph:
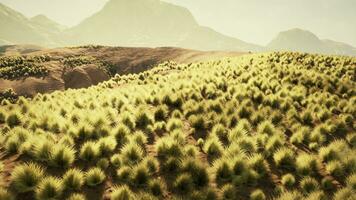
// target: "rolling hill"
[[29, 70], [276, 126], [305, 41]]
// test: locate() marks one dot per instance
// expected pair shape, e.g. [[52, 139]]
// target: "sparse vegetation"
[[23, 66]]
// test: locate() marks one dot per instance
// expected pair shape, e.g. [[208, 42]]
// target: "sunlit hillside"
[[260, 126]]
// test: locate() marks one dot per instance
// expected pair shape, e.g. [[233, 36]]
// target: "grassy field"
[[260, 126]]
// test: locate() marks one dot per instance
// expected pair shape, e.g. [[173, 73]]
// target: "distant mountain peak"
[[44, 21], [297, 39], [298, 33], [151, 23], [41, 17]]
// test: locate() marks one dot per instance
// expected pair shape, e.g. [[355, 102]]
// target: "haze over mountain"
[[305, 41], [148, 23], [17, 29], [151, 23]]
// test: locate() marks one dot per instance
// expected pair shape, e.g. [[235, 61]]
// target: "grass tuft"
[[49, 188], [25, 177], [73, 179], [94, 177]]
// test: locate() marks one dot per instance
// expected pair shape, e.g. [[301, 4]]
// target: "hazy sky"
[[256, 21]]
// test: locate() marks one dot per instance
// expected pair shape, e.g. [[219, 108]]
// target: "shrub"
[[317, 195], [220, 131], [49, 188], [301, 136], [2, 117], [161, 113], [14, 119], [173, 124], [13, 144], [73, 179], [116, 160], [284, 157], [247, 144], [89, 151], [344, 194], [166, 147], [76, 196], [200, 143], [239, 166], [306, 164], [290, 195], [228, 192], [309, 185], [156, 187], [351, 138], [198, 172], [131, 153], [94, 176], [274, 143], [26, 177], [207, 194], [288, 180], [237, 132], [128, 120], [327, 154], [257, 195], [198, 122], [143, 120], [307, 117], [191, 151], [66, 141], [327, 183], [121, 133], [257, 163], [43, 150], [222, 171], [159, 127], [213, 147], [139, 138], [176, 114], [152, 164], [103, 163], [171, 165], [106, 145], [140, 176], [183, 184], [123, 174], [266, 127], [121, 193], [335, 168], [62, 156], [351, 181]]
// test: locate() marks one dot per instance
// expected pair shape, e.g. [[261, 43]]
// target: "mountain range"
[[149, 23]]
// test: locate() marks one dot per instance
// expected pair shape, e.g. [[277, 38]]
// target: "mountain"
[[151, 23], [306, 41], [44, 22], [17, 29]]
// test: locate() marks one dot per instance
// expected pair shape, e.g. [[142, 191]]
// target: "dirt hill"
[[48, 70]]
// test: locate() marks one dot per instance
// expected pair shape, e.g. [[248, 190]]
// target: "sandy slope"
[[125, 60]]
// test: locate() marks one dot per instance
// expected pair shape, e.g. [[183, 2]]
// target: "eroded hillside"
[[43, 71]]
